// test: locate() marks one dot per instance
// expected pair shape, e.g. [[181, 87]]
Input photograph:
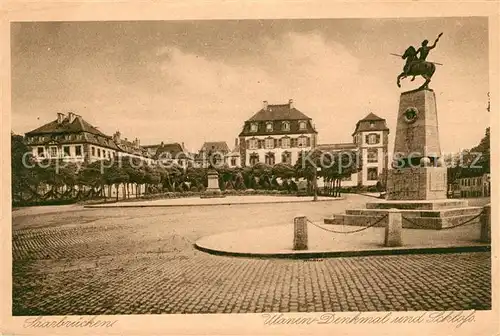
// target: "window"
[[269, 143], [285, 126], [372, 155], [285, 143], [98, 152], [233, 161], [302, 125], [269, 127], [270, 159], [372, 138], [66, 151], [78, 150], [254, 127], [372, 124], [253, 144], [286, 157], [254, 159], [40, 151], [53, 151], [372, 174], [67, 137], [93, 151], [302, 142]]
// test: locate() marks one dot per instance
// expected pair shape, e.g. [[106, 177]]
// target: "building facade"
[[71, 138], [370, 142], [170, 154], [276, 133]]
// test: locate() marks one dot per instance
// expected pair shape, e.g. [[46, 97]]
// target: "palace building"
[[370, 141], [276, 133], [71, 138]]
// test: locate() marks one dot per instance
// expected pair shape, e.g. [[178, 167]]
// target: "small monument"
[[417, 182], [213, 189]]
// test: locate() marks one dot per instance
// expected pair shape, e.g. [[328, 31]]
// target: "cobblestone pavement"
[[138, 261]]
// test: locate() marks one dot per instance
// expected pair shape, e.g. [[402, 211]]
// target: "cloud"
[[216, 96]]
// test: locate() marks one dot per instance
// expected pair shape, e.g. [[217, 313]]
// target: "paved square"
[[141, 260]]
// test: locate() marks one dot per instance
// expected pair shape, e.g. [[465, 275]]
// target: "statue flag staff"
[[427, 61]]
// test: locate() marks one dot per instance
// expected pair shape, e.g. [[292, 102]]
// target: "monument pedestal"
[[213, 190], [417, 184]]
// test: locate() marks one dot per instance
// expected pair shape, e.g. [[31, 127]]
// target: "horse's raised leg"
[[401, 75]]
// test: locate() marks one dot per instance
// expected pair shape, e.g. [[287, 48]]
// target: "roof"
[[336, 147], [132, 148], [279, 112], [175, 150], [76, 126], [371, 122], [372, 117], [235, 151], [218, 146]]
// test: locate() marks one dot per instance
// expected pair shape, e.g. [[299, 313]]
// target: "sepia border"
[[486, 322]]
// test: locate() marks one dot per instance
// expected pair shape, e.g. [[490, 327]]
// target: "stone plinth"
[[213, 181], [417, 131], [419, 183]]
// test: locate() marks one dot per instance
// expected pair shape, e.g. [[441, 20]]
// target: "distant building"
[[276, 133], [71, 138], [370, 142], [170, 153], [219, 150], [131, 149], [233, 158], [476, 186]]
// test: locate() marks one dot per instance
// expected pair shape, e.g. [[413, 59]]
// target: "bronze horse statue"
[[415, 67]]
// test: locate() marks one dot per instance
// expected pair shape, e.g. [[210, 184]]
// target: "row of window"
[[41, 138], [278, 143], [285, 126], [470, 182], [53, 151], [270, 158]]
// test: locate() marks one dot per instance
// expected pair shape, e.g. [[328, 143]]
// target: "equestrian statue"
[[417, 64]]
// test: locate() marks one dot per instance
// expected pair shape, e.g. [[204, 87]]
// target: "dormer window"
[[372, 124], [285, 126], [254, 127], [302, 125], [269, 127]]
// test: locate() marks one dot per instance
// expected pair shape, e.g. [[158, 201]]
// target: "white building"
[[276, 133]]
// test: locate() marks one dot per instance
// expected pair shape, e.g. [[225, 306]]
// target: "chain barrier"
[[354, 231], [446, 228]]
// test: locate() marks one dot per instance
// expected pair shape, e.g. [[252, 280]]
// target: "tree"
[[307, 167]]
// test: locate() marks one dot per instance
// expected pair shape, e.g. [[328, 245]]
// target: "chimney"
[[116, 136], [137, 143], [290, 102], [235, 142], [182, 144], [60, 118], [264, 105], [161, 144], [71, 116]]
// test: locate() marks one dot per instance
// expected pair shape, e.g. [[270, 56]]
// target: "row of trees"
[[52, 180]]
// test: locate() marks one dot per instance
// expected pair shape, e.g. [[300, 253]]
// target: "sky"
[[196, 81]]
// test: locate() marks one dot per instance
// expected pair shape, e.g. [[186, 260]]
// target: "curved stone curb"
[[100, 206], [343, 254]]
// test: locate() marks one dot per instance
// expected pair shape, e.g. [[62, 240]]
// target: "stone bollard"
[[300, 233], [486, 225], [394, 228]]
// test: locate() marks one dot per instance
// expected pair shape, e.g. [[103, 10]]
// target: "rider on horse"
[[421, 53], [416, 64]]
